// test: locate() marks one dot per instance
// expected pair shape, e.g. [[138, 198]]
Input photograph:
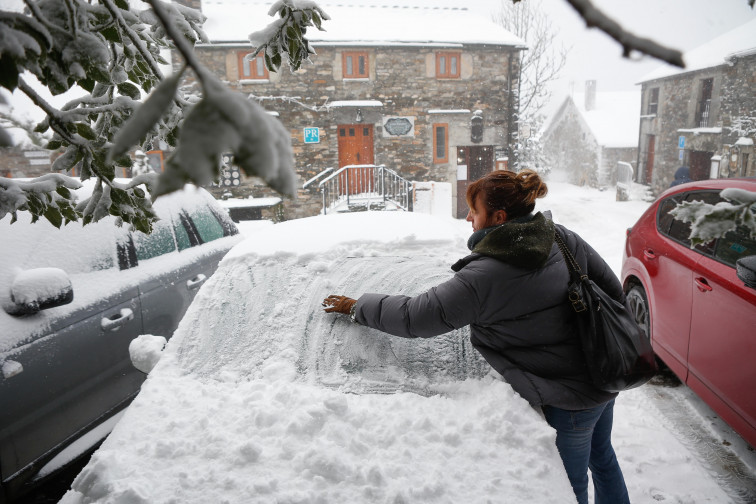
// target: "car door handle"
[[195, 282], [649, 254], [702, 284], [115, 322]]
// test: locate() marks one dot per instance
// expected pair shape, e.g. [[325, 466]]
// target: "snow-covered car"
[[72, 300], [262, 397], [698, 304]]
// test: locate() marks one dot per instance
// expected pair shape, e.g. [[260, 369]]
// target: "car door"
[[68, 379], [182, 264], [723, 332], [668, 261]]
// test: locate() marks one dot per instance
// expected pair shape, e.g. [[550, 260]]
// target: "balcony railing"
[[365, 184], [703, 113]]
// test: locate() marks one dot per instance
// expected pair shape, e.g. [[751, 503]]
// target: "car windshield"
[[266, 300]]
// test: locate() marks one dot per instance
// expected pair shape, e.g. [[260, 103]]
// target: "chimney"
[[590, 95]]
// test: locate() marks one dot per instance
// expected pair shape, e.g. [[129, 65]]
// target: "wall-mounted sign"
[[311, 135], [230, 174], [681, 142], [398, 126]]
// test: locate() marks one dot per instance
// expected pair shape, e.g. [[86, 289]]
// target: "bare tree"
[[544, 58]]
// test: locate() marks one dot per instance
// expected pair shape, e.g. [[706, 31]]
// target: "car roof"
[[748, 183]]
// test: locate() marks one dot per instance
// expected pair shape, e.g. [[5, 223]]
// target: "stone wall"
[[732, 97], [403, 80], [17, 162]]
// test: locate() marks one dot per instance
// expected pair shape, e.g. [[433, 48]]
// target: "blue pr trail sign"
[[311, 135]]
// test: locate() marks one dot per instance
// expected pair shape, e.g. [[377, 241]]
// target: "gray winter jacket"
[[512, 291]]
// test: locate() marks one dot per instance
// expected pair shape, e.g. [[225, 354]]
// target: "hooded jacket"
[[512, 291]]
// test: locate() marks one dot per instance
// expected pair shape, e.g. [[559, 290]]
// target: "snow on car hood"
[[260, 396]]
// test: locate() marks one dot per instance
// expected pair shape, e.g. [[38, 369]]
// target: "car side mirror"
[[745, 268], [39, 289]]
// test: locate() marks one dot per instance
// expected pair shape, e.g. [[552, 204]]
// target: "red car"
[[698, 305]]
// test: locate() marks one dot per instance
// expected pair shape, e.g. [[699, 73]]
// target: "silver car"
[[73, 299]]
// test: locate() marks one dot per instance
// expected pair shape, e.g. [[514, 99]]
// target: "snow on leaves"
[[112, 52], [287, 34], [714, 221]]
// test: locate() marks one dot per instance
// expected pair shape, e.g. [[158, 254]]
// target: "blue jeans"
[[584, 440]]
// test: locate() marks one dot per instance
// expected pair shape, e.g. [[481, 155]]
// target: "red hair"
[[515, 193]]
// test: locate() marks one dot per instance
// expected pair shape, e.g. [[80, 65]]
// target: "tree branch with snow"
[[709, 221], [114, 53]]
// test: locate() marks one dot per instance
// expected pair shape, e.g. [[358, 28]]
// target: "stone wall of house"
[[569, 147], [732, 97], [738, 111], [403, 80], [17, 162]]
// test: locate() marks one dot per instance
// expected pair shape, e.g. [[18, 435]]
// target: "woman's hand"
[[339, 304]]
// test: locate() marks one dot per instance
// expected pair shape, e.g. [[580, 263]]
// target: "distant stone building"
[[428, 91], [24, 161], [590, 133], [703, 116]]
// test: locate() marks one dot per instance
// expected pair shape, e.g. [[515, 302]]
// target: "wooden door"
[[356, 148], [650, 158], [700, 165], [479, 160]]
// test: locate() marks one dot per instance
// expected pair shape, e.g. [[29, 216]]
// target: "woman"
[[512, 291]]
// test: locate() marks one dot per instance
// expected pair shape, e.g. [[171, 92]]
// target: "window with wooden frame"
[[441, 143], [355, 64], [653, 101], [447, 64], [252, 68]]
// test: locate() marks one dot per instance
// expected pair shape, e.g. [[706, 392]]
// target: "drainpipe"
[[512, 122]]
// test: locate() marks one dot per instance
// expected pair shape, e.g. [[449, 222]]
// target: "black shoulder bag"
[[617, 351]]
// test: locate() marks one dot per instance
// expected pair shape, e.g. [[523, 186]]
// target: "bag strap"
[[576, 274]]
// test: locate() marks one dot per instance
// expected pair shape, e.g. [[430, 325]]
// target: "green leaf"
[[111, 34], [145, 117], [8, 72], [54, 145], [130, 90], [122, 4], [64, 192], [87, 84], [316, 19], [86, 131], [53, 215]]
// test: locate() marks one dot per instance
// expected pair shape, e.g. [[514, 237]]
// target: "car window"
[[182, 236], [664, 219], [734, 245], [679, 230], [157, 243], [207, 225]]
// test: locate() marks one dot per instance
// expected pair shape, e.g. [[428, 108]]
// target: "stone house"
[[703, 116], [590, 133], [426, 90], [24, 161]]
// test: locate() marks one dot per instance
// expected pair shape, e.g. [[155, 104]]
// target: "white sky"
[[682, 24]]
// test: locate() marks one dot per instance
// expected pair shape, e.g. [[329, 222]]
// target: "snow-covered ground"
[[260, 397]]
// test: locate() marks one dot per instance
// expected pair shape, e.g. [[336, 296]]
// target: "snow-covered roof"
[[734, 43], [615, 119], [367, 23]]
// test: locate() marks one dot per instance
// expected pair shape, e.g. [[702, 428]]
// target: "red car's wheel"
[[638, 301]]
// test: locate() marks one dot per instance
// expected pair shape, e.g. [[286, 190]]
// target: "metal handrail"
[[316, 177], [365, 181]]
